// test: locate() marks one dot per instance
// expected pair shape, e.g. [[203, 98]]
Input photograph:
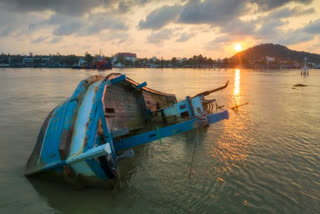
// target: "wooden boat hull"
[[106, 115]]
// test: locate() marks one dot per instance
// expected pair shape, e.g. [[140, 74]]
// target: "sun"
[[237, 47]]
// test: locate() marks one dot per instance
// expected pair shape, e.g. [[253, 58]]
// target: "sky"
[[161, 28]]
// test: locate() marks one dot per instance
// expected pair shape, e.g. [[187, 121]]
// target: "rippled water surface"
[[264, 159]]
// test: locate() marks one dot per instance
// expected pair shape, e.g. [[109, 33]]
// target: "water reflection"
[[237, 83], [232, 145]]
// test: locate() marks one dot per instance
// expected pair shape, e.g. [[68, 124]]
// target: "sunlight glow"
[[237, 47]]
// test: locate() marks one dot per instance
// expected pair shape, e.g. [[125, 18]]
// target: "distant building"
[[45, 59], [28, 60], [127, 56], [82, 61], [154, 59], [31, 60], [270, 59], [182, 60]]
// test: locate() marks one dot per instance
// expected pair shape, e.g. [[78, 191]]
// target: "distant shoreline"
[[209, 68]]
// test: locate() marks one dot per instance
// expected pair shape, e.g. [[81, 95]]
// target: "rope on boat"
[[203, 122], [194, 150]]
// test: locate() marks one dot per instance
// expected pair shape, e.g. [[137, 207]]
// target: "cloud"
[[238, 27], [68, 7], [289, 12], [6, 30], [72, 7], [295, 37], [185, 37], [40, 39], [313, 27], [99, 22], [212, 12], [271, 24], [84, 26], [269, 28], [13, 24], [55, 40], [66, 29], [160, 36], [218, 13], [267, 5], [117, 37], [160, 17]]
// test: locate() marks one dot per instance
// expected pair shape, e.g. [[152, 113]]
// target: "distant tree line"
[[195, 62]]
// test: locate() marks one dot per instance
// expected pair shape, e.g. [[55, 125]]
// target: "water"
[[264, 159]]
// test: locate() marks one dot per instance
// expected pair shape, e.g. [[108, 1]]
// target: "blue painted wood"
[[144, 84], [118, 79], [166, 131], [189, 107], [92, 153], [196, 104], [96, 168]]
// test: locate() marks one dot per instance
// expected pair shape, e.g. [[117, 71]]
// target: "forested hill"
[[279, 52]]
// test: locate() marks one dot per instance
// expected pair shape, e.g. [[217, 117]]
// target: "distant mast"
[[305, 69]]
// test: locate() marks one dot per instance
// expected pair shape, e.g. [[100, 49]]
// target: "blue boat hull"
[[105, 116]]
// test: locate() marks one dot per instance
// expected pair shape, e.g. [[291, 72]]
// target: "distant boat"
[[101, 64], [3, 65], [86, 135]]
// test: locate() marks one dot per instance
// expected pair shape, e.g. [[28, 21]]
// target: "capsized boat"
[[108, 115]]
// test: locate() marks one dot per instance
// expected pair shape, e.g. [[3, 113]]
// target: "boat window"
[[184, 114]]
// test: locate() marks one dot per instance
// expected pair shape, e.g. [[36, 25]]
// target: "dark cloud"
[[13, 24], [72, 7], [66, 29], [219, 13], [212, 11], [272, 4], [69, 7], [92, 24], [289, 12], [158, 37], [160, 17], [238, 27], [313, 27], [185, 37], [295, 37], [6, 31], [127, 5], [271, 27]]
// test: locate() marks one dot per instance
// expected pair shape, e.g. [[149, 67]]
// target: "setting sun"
[[237, 47]]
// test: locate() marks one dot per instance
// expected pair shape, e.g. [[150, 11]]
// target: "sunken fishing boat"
[[107, 116]]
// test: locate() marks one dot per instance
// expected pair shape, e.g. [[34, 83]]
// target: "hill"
[[279, 52]]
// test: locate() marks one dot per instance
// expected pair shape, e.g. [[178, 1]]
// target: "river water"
[[264, 159]]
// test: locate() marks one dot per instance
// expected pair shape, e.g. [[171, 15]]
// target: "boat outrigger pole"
[[206, 93]]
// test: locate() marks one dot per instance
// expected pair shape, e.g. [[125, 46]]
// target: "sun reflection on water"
[[231, 148], [237, 83]]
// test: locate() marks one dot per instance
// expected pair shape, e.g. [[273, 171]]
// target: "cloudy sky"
[[163, 28]]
